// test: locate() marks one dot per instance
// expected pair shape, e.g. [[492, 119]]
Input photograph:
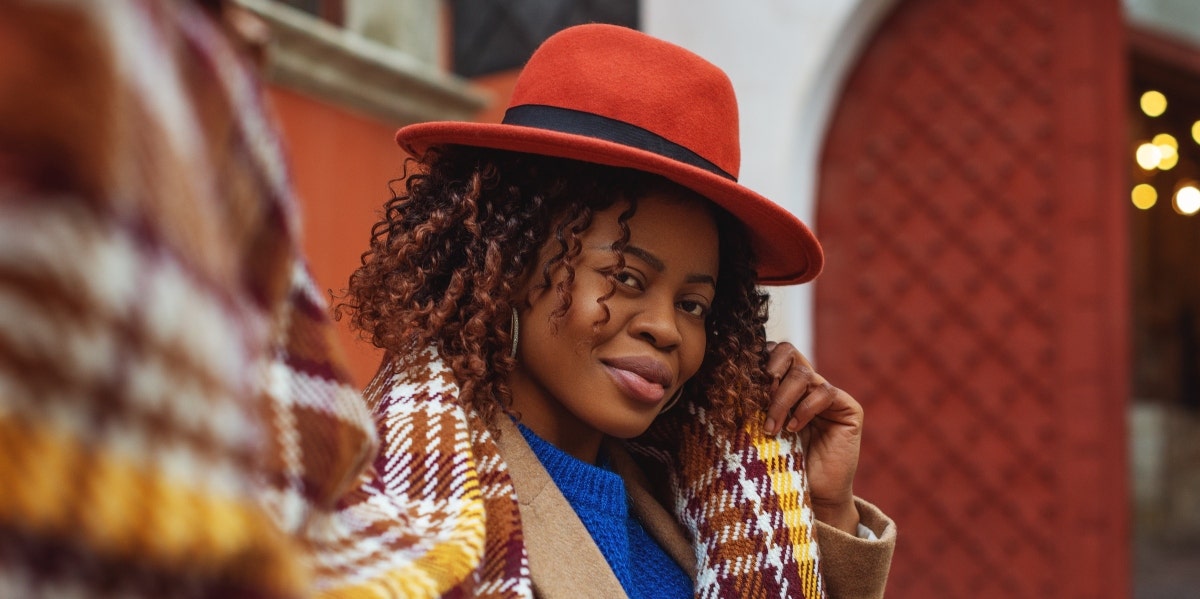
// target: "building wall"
[[1177, 18], [341, 162], [978, 295], [340, 94]]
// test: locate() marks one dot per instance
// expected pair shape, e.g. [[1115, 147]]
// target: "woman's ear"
[[529, 291], [531, 284], [525, 291]]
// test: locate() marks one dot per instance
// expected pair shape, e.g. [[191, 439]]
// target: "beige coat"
[[565, 563]]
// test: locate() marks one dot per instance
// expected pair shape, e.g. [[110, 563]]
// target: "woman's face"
[[576, 382]]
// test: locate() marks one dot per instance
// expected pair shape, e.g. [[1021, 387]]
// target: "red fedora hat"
[[615, 96]]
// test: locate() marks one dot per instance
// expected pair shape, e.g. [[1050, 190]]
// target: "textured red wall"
[[971, 203], [341, 163]]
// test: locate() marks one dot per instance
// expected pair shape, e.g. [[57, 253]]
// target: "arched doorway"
[[972, 204]]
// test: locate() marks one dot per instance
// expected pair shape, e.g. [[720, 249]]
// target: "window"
[[329, 10], [497, 35]]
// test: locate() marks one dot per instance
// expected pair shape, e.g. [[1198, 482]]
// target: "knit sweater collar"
[[584, 485]]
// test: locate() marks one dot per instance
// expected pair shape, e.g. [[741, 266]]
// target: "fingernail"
[[794, 425], [770, 425]]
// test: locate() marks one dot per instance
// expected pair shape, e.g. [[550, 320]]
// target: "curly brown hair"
[[449, 251]]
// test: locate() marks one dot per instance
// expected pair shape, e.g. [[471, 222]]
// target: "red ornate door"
[[971, 202]]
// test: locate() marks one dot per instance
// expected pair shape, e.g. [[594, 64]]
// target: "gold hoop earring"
[[516, 333], [671, 402]]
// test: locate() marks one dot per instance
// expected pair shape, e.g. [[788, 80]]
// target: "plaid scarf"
[[175, 418], [439, 517]]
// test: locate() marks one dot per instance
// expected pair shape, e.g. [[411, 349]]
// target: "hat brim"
[[787, 251]]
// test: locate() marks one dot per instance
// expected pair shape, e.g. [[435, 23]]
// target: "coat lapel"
[[563, 560]]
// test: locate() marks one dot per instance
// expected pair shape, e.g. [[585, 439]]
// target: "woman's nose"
[[655, 323]]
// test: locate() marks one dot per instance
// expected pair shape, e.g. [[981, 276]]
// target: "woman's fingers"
[[818, 399], [798, 393], [829, 422], [779, 363]]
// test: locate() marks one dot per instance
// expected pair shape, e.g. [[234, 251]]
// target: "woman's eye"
[[696, 309], [628, 279]]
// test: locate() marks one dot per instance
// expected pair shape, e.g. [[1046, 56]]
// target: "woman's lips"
[[643, 379], [637, 387]]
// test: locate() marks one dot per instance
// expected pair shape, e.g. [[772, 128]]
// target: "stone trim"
[[343, 67]]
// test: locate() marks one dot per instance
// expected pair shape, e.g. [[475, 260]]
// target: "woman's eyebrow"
[[657, 264], [645, 256]]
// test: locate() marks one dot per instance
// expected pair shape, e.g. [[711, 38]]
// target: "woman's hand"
[[830, 423]]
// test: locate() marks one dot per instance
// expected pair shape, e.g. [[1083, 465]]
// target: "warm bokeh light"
[[1165, 139], [1153, 103], [1196, 131], [1144, 196], [1168, 147], [1187, 200], [1168, 162], [1148, 156]]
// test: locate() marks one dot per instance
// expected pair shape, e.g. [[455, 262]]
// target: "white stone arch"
[[788, 60], [815, 110]]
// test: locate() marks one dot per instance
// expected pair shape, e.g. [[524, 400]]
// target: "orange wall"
[[500, 86], [341, 163]]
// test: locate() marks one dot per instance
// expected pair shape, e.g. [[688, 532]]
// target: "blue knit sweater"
[[597, 494]]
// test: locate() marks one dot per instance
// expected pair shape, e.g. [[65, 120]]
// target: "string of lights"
[[1159, 154]]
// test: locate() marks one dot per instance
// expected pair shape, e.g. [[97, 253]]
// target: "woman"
[[570, 308]]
